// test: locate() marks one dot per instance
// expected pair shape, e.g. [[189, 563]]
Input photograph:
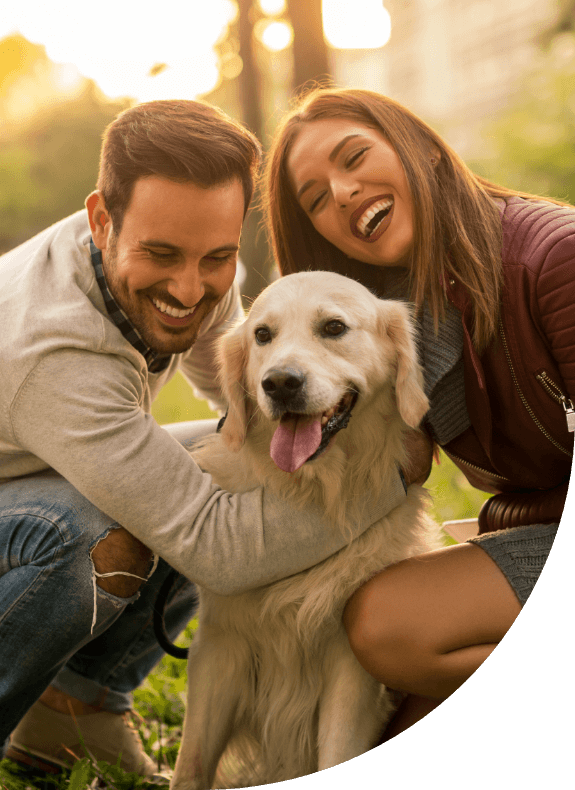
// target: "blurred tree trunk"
[[255, 252], [249, 82], [310, 63], [310, 54]]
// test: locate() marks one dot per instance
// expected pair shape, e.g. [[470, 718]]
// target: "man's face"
[[174, 258]]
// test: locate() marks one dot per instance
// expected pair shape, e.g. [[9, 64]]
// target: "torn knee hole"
[[121, 563]]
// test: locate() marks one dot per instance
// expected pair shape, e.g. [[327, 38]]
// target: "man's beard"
[[139, 310]]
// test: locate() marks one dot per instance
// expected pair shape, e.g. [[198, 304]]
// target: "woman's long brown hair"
[[457, 225]]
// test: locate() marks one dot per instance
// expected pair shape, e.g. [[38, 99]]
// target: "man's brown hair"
[[179, 140]]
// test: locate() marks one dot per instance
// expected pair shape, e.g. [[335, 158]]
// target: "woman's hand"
[[420, 450]]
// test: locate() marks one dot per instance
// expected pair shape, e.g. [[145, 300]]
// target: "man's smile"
[[172, 315]]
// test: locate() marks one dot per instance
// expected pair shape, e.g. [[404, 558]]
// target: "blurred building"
[[456, 63]]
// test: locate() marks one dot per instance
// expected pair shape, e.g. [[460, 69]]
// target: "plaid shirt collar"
[[155, 362]]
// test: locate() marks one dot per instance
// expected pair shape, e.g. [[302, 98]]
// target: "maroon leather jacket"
[[517, 391]]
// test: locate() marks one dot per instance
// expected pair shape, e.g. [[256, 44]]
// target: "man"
[[96, 314]]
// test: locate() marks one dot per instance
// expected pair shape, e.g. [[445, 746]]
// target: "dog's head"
[[316, 347]]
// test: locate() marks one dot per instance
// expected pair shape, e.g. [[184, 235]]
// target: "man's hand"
[[420, 457]]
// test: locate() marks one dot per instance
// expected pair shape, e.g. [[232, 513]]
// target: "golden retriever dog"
[[271, 673]]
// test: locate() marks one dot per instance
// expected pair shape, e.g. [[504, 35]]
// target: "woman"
[[357, 184]]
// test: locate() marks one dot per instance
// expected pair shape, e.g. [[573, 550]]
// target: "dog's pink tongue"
[[296, 438]]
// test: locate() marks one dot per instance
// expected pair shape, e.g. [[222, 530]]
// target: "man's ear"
[[99, 218]]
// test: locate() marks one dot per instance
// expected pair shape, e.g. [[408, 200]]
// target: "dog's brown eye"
[[263, 335], [334, 328]]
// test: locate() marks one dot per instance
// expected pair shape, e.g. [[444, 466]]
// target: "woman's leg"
[[424, 625]]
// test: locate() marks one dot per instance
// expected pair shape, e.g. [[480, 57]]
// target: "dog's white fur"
[[271, 669]]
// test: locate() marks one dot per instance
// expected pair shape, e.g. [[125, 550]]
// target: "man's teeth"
[[368, 215], [165, 308]]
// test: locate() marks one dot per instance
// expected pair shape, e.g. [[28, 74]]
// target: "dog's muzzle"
[[301, 436]]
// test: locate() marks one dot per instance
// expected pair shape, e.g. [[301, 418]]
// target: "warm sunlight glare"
[[117, 43], [276, 35], [272, 7], [361, 24]]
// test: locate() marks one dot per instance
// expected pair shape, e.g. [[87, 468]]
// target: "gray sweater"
[[75, 396]]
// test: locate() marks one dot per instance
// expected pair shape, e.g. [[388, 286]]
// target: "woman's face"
[[352, 185]]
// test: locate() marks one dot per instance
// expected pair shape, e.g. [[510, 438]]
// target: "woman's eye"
[[263, 335], [351, 160], [316, 201], [334, 328]]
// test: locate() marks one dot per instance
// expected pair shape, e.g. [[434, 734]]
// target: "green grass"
[[159, 702], [176, 403], [159, 713], [453, 496]]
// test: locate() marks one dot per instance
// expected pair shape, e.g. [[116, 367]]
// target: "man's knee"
[[120, 552]]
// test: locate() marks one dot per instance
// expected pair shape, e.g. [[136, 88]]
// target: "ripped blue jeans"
[[57, 626]]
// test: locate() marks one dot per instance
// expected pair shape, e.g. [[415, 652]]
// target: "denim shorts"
[[520, 553]]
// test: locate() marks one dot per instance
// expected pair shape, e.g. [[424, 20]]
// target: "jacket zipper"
[[524, 399], [553, 390], [474, 466]]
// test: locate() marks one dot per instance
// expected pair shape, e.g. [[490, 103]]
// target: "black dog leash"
[[158, 619]]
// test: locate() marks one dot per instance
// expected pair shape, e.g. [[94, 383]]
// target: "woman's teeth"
[[365, 219], [165, 308]]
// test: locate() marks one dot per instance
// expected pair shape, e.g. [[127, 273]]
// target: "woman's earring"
[[433, 161]]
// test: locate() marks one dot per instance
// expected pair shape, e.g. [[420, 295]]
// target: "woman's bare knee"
[[121, 551], [379, 634], [425, 624]]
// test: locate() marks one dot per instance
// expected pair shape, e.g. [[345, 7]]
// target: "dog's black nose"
[[283, 384]]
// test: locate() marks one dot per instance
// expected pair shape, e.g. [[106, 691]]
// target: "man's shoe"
[[49, 741]]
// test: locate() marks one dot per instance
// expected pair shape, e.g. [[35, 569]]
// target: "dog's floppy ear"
[[412, 401], [233, 360]]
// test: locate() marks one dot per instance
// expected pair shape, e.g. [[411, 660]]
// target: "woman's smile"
[[368, 221]]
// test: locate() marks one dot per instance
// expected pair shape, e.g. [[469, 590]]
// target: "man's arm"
[[86, 422]]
